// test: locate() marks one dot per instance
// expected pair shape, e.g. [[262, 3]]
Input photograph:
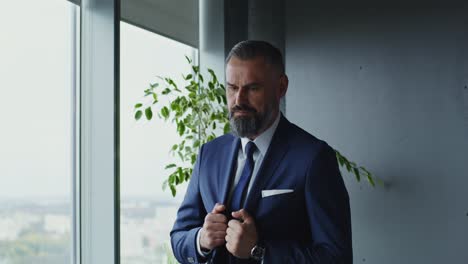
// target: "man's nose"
[[241, 97]]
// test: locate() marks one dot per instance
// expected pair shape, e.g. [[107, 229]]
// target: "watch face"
[[257, 253]]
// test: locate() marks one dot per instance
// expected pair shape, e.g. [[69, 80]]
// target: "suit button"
[[190, 260]]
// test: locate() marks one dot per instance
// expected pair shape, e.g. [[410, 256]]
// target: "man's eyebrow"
[[252, 84], [249, 85]]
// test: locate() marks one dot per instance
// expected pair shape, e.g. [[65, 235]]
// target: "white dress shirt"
[[262, 142]]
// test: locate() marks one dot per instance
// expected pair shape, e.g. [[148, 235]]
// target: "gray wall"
[[386, 86]]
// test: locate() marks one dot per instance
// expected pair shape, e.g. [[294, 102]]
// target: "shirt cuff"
[[199, 250]]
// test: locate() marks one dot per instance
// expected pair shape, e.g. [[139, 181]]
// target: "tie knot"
[[250, 149]]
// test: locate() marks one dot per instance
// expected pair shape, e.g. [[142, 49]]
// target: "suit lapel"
[[228, 169], [273, 157]]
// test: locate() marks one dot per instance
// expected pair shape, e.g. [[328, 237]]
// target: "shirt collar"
[[263, 140]]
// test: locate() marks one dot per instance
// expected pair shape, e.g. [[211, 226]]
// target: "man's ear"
[[284, 82]]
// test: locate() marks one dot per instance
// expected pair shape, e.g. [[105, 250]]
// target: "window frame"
[[75, 133], [99, 208]]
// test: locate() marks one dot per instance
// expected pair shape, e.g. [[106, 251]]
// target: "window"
[[59, 147], [147, 212], [37, 99]]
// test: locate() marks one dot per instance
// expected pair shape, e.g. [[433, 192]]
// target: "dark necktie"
[[242, 186]]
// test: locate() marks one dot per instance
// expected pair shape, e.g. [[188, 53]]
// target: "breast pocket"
[[277, 202], [279, 215]]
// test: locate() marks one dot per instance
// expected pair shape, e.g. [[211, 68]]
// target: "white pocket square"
[[266, 193]]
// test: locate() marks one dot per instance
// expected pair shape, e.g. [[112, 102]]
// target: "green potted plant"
[[198, 109]]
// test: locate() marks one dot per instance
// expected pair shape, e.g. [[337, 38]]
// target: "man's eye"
[[232, 88]]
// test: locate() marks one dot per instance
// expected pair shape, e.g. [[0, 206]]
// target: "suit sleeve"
[[328, 212], [190, 219]]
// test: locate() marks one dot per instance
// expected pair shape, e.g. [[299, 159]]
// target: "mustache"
[[244, 107]]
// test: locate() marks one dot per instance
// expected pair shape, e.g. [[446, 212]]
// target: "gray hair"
[[250, 49]]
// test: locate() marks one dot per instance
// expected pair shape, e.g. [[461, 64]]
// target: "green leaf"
[[188, 59], [172, 178], [227, 128], [340, 159], [171, 82], [364, 169], [348, 167], [155, 98], [172, 165], [173, 190], [165, 112], [138, 115], [138, 105], [213, 75], [148, 113], [188, 77], [166, 91], [181, 156], [175, 105], [371, 181], [181, 177], [181, 128], [174, 147], [356, 172]]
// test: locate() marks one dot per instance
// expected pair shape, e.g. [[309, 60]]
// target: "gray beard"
[[249, 126], [245, 126]]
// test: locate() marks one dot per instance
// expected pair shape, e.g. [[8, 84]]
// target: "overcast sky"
[[35, 102]]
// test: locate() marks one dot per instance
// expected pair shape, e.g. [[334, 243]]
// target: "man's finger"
[[242, 215], [216, 218], [215, 226], [233, 233], [234, 225], [216, 234], [218, 208]]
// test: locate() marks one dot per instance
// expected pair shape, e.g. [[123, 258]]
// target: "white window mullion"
[[75, 117], [99, 131]]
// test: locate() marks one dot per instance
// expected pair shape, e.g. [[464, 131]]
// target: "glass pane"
[[36, 112], [147, 212]]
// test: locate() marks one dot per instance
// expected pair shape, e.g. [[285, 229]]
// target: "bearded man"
[[269, 192]]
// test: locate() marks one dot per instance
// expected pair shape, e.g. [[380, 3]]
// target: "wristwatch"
[[257, 253]]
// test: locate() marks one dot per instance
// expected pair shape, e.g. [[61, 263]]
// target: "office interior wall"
[[387, 86]]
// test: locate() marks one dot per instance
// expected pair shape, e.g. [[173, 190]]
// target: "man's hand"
[[213, 232], [241, 234]]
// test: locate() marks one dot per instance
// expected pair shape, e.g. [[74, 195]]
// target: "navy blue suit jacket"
[[310, 225]]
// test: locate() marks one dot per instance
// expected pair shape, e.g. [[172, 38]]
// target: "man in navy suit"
[[269, 192]]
